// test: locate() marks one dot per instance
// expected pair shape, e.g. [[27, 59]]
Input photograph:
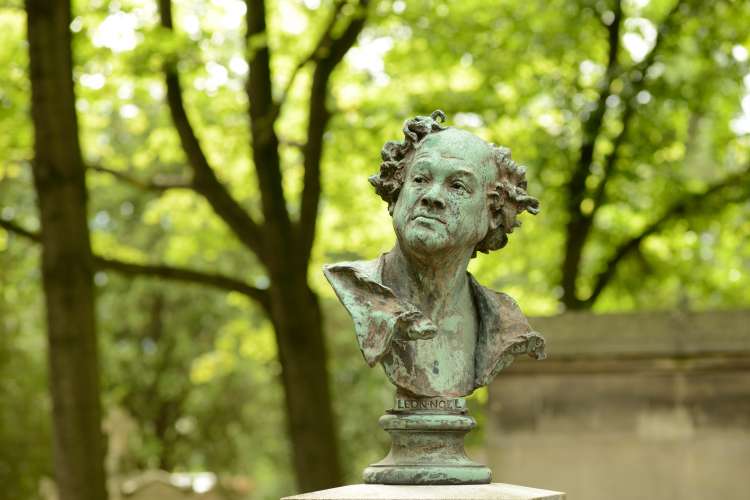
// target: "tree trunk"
[[576, 234], [67, 264], [299, 334]]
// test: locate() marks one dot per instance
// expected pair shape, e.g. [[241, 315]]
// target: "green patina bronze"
[[417, 311]]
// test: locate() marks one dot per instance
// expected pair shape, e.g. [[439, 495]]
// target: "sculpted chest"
[[442, 365], [451, 363]]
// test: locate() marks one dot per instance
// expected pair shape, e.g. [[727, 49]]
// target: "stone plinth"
[[494, 491], [669, 391]]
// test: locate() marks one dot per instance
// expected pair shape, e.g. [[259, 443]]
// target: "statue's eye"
[[418, 179], [458, 186]]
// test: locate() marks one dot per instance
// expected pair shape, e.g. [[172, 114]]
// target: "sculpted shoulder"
[[507, 309], [505, 333], [360, 269], [378, 315]]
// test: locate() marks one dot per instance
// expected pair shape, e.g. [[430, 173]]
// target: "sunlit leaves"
[[524, 74], [540, 79]]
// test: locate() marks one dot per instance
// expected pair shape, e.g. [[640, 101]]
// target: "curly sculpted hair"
[[508, 199]]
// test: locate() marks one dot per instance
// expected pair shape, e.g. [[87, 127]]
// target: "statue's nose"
[[433, 197]]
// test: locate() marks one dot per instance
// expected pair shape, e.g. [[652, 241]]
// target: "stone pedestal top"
[[494, 491]]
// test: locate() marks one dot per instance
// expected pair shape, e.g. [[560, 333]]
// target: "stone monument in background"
[[437, 333]]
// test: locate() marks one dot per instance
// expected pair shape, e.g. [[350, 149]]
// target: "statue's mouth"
[[428, 217]]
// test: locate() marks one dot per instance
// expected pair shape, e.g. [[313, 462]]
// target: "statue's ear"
[[495, 205]]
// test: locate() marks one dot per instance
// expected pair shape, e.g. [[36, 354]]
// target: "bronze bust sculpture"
[[417, 311]]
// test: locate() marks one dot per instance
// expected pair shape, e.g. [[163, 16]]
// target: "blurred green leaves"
[[204, 392]]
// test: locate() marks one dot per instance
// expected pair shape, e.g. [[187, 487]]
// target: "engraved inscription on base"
[[434, 404]]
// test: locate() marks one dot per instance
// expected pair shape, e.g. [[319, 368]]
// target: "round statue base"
[[427, 448]]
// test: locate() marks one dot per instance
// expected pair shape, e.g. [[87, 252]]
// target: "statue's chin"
[[425, 241]]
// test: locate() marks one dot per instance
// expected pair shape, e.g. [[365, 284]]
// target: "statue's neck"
[[435, 283]]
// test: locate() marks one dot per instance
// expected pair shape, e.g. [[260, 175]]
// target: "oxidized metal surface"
[[437, 333], [427, 449], [392, 331]]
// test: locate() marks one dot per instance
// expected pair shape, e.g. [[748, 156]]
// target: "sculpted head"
[[448, 189]]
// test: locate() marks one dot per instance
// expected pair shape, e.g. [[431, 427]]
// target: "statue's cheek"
[[408, 197]]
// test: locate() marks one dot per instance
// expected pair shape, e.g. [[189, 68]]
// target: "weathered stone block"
[[494, 491]]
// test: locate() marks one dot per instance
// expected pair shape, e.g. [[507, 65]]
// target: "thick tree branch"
[[636, 82], [580, 224], [314, 55], [205, 181], [265, 142], [334, 50], [159, 184], [592, 126], [690, 204], [172, 273], [635, 85], [610, 161], [20, 231]]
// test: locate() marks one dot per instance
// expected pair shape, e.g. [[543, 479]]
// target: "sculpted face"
[[443, 204]]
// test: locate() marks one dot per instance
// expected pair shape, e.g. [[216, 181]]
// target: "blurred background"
[[226, 148]]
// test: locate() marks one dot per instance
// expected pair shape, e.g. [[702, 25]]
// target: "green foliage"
[[25, 441], [525, 75], [196, 369]]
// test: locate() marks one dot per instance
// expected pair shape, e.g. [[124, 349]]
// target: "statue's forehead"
[[455, 143], [459, 146]]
